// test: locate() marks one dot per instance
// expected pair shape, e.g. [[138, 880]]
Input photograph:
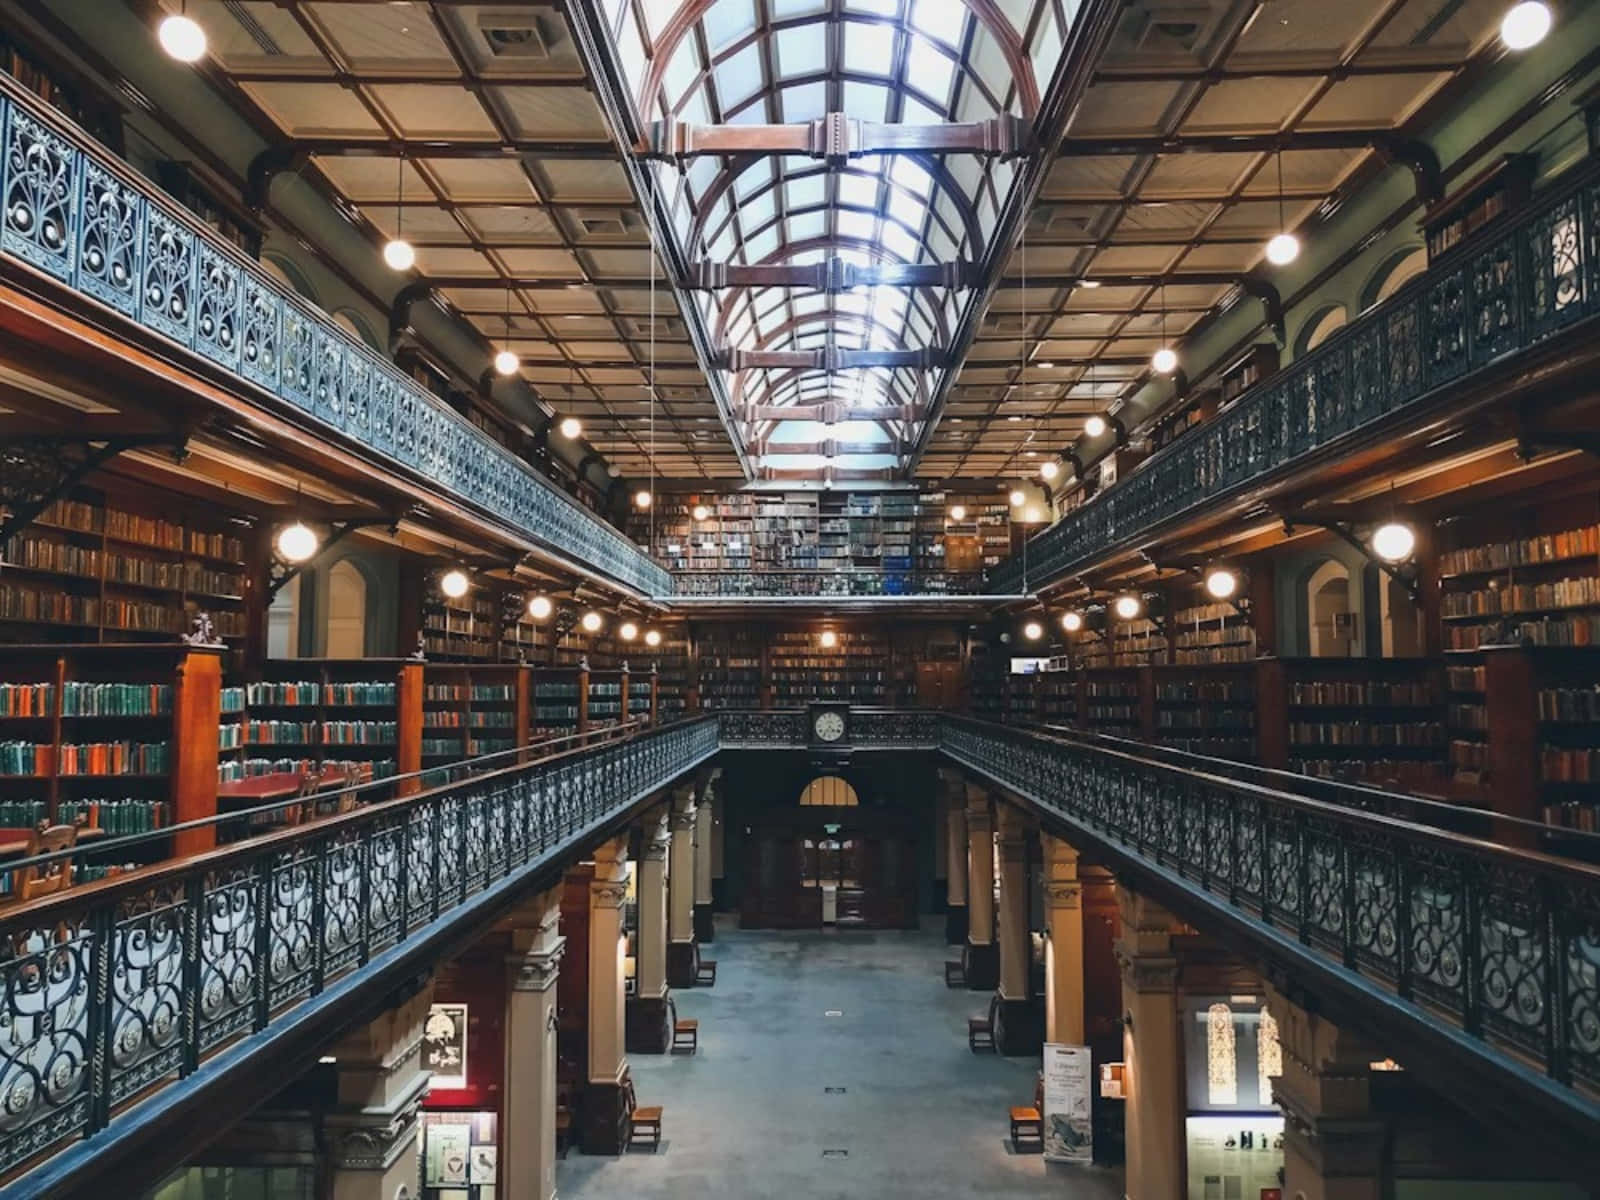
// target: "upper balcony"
[[77, 217], [1498, 296]]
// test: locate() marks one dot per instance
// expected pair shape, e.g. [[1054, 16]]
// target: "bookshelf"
[[1207, 710], [464, 630], [560, 700], [1543, 744], [472, 709], [1115, 701], [1210, 635], [607, 698], [857, 669], [672, 679], [119, 737], [732, 669], [92, 569], [1503, 186]]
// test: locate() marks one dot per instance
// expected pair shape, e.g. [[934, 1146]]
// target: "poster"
[[1234, 1157], [484, 1159], [444, 1045], [1068, 1116], [447, 1155]]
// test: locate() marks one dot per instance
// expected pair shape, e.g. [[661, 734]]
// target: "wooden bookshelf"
[[1207, 710], [560, 700], [472, 709]]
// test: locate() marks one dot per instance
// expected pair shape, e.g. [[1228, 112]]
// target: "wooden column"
[[1016, 1030], [705, 926], [683, 958], [655, 695], [528, 1128], [1147, 703], [622, 711], [1064, 1019], [196, 713], [1152, 1051], [583, 695], [1272, 713], [955, 909], [981, 961], [409, 690], [604, 1121], [1511, 693]]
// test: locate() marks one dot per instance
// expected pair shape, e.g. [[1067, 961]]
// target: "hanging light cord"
[[1282, 228], [650, 228]]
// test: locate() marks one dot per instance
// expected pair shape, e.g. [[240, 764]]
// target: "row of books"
[[1568, 764], [287, 695], [1365, 733], [1578, 592], [1235, 690], [1570, 704], [478, 693], [1550, 547], [130, 814], [1371, 692], [253, 768], [1377, 771], [1549, 631], [87, 758], [456, 719], [150, 531], [320, 733]]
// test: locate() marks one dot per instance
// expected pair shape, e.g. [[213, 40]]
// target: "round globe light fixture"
[[571, 427], [1033, 631], [1127, 606], [701, 512], [1283, 249], [1095, 425], [454, 583], [297, 543], [1165, 360], [591, 622], [540, 607], [641, 499], [829, 639], [1524, 25], [1393, 541], [1018, 499], [1072, 621], [1222, 583], [506, 363], [958, 512], [399, 254], [182, 38], [627, 631], [1049, 469], [652, 637]]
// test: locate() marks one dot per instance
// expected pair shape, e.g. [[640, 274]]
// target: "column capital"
[[656, 828], [980, 820], [607, 893], [536, 970], [373, 1141], [683, 820], [1063, 893], [1153, 973]]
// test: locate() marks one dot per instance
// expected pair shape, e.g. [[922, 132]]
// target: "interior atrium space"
[[799, 599]]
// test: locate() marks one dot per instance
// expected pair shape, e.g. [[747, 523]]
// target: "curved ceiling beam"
[[987, 12]]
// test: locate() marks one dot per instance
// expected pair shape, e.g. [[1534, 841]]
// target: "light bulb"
[[1128, 606], [1283, 249], [1018, 499], [506, 363], [297, 543], [641, 499], [1033, 631], [1164, 360], [454, 583], [958, 512], [399, 254], [652, 637], [1048, 469], [1095, 425], [1394, 541], [627, 631], [540, 607], [1072, 621], [571, 427], [1524, 25], [829, 639], [701, 512], [591, 622], [1221, 583], [182, 38]]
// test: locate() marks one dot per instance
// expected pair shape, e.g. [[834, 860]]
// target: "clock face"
[[829, 727]]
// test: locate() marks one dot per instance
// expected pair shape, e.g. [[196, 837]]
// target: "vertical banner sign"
[[1068, 1117]]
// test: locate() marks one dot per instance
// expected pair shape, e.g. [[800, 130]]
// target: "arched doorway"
[[829, 791], [347, 612], [1330, 616]]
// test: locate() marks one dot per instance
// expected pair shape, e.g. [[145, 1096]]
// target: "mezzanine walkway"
[[748, 1115]]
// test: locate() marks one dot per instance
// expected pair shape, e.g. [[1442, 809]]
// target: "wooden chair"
[[980, 1034], [686, 1035], [52, 877], [706, 973], [642, 1122], [1026, 1124], [955, 973]]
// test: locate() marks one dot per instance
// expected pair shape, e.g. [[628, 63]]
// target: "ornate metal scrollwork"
[[37, 471]]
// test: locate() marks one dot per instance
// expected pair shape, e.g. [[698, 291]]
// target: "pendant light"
[[1525, 24], [397, 252], [1284, 247], [181, 37], [507, 362], [1165, 359]]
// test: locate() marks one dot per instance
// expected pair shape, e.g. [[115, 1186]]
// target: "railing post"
[[1553, 922], [1472, 883], [193, 920], [319, 917], [103, 924], [1302, 877], [1402, 923]]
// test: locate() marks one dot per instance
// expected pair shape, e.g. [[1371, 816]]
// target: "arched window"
[[356, 325], [1396, 270], [283, 622], [828, 791], [1269, 1056], [1222, 1060], [1320, 328], [291, 276], [347, 611]]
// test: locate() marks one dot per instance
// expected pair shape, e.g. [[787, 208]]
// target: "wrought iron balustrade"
[[869, 729], [819, 582], [111, 992], [1506, 290], [78, 215], [1499, 944]]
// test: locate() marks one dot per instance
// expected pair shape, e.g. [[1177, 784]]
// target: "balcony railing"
[[1499, 944], [815, 582], [1511, 288], [80, 216], [868, 729], [112, 992]]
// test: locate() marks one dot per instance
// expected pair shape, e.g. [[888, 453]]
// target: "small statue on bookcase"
[[583, 662], [421, 652], [202, 631]]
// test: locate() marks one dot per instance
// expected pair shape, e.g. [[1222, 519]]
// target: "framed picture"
[[484, 1164], [447, 1155], [444, 1045]]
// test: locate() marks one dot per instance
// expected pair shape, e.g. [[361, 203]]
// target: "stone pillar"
[[683, 956], [528, 1131], [705, 930], [1333, 1146], [955, 911], [603, 1128], [1016, 1030], [1151, 1051], [1064, 1012], [649, 1008], [981, 959], [371, 1136]]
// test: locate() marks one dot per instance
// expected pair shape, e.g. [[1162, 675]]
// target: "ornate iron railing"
[[1507, 290], [1501, 944], [869, 729], [827, 582], [75, 213], [112, 990]]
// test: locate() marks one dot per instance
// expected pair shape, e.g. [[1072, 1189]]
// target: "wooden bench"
[[955, 973], [705, 974], [686, 1035], [642, 1122], [1026, 1124]]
